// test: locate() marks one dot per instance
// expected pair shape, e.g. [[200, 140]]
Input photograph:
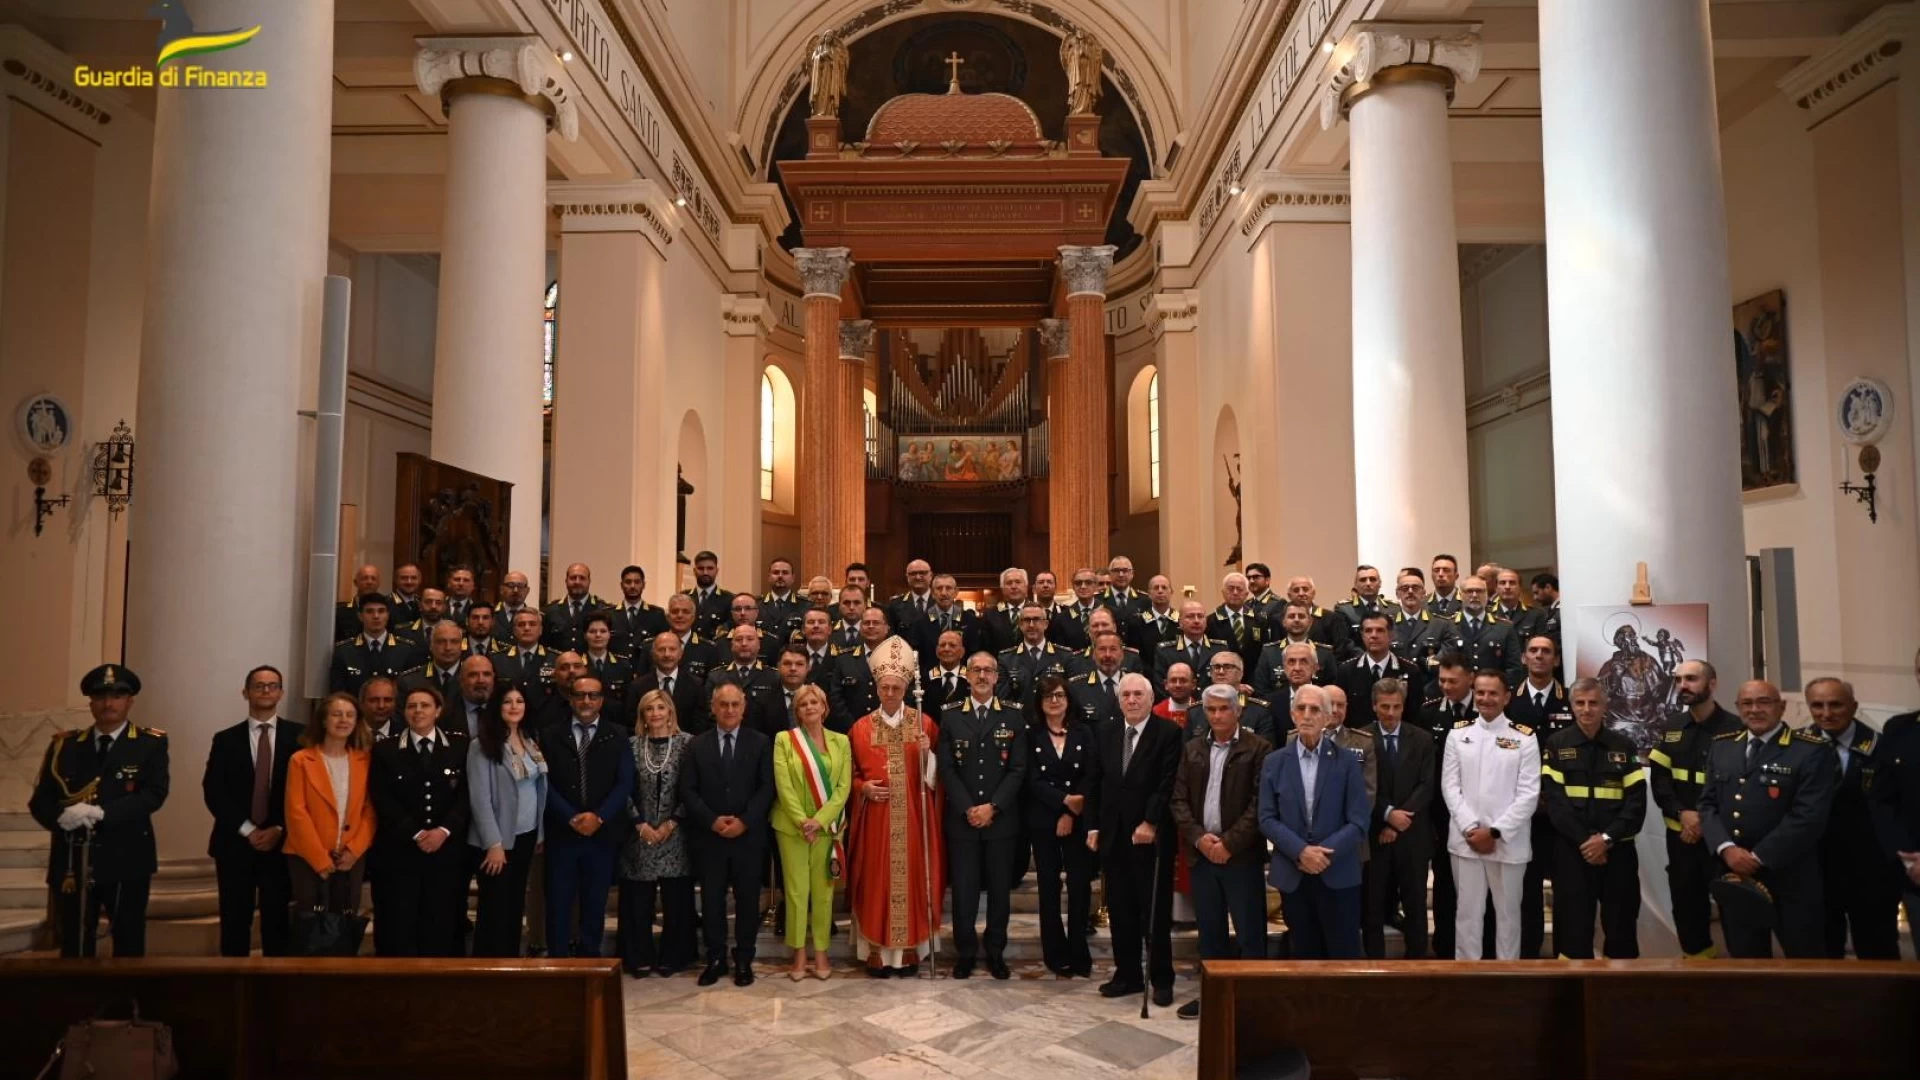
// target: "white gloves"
[[79, 814]]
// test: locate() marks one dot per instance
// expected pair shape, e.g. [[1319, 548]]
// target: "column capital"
[[1278, 196], [745, 316], [1381, 53], [512, 66], [823, 271], [856, 339], [1175, 313], [640, 206], [1056, 338], [1863, 59], [1086, 268]]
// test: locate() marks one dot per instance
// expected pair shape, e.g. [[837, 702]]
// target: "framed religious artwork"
[[444, 517], [1764, 376], [1633, 651]]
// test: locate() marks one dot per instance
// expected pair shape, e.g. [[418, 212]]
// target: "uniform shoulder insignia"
[[1458, 616], [1730, 735], [345, 641], [153, 731], [951, 705], [1801, 736], [1462, 723], [1360, 732], [1521, 728], [417, 669], [1672, 736], [1496, 618], [1260, 701]]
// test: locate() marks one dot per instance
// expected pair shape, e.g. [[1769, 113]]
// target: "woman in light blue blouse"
[[507, 785]]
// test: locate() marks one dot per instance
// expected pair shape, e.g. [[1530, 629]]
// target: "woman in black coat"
[[1063, 768]]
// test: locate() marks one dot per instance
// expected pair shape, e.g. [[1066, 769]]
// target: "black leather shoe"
[[1191, 1010], [713, 973], [743, 976], [1163, 996], [997, 968], [963, 969], [1084, 971], [879, 973], [1114, 988], [907, 971]]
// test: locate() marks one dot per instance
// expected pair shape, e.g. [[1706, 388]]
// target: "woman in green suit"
[[812, 772]]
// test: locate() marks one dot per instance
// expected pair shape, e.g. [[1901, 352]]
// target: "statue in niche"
[[1233, 488], [827, 55], [1081, 55]]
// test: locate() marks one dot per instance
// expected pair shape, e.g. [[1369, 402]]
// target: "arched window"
[[1153, 436], [768, 441], [550, 324]]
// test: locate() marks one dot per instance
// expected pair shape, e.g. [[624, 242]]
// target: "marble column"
[[1409, 381], [1189, 551], [746, 321], [502, 96], [856, 343], [1056, 342], [1078, 536], [823, 506], [1646, 468], [237, 251], [614, 434]]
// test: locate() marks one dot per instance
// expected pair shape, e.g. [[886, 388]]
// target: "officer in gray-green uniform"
[[983, 758], [97, 793]]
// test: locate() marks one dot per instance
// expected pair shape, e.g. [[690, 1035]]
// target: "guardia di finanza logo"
[[179, 41]]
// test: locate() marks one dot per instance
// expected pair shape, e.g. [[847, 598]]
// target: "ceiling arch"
[[780, 69]]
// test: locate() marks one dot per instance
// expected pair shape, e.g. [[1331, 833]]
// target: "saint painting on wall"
[[1766, 392]]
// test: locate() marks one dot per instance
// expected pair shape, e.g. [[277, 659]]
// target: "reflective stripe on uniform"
[[1673, 824], [1555, 774], [1635, 777], [1659, 757]]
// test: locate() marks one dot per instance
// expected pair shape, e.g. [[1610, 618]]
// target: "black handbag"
[[103, 1049], [327, 933]]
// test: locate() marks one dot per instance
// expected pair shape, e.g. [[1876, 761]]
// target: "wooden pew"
[[369, 1019], [1556, 1020]]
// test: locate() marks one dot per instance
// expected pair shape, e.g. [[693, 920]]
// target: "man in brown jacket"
[[1216, 807]]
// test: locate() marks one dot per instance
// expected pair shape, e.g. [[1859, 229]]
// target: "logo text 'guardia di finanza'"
[[179, 40]]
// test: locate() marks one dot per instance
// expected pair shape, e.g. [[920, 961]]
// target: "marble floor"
[[1031, 1027]]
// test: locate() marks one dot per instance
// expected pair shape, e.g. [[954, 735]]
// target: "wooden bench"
[[1607, 1020], [369, 1019]]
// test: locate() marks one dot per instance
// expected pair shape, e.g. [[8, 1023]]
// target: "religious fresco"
[[1765, 378], [1633, 651], [960, 459]]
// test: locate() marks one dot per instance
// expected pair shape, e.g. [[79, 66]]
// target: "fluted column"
[[850, 527], [821, 503], [237, 252], [1646, 467], [501, 95], [1409, 382], [1056, 341]]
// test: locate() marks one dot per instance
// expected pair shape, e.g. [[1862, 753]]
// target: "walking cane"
[[84, 887], [1153, 912]]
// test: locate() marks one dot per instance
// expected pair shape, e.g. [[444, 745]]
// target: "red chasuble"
[[898, 860]]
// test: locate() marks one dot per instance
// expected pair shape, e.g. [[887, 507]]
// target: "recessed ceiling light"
[[1327, 47], [680, 200], [1234, 188], [567, 57]]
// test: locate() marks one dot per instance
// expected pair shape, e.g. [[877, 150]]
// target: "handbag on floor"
[[103, 1049], [321, 932]]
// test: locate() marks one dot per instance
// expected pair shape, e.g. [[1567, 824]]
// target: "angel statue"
[[1080, 54], [828, 57]]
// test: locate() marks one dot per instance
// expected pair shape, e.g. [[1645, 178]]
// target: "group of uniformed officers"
[[1448, 692]]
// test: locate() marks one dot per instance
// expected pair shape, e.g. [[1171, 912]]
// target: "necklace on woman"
[[646, 756]]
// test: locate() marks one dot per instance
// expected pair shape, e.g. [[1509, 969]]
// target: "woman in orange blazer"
[[329, 816]]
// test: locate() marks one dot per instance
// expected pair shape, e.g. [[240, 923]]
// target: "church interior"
[[1200, 284]]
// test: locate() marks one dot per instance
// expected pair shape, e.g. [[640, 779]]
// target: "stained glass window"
[[546, 386]]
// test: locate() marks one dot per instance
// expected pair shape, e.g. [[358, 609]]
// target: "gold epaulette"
[[955, 704], [1260, 701], [1462, 723], [1362, 732], [1730, 735], [1804, 737], [1521, 728]]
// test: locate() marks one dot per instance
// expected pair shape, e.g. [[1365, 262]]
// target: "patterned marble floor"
[[1032, 1027]]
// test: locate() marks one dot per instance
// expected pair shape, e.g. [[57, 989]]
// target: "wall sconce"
[[39, 472], [113, 469], [1866, 494]]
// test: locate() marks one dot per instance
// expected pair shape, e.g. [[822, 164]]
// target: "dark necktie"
[[576, 611], [789, 695], [1112, 695], [1540, 699], [106, 745], [425, 746], [633, 615], [375, 646], [1460, 709], [666, 685], [1379, 671], [726, 750], [1753, 744], [1126, 754], [262, 776], [1474, 625], [582, 736], [952, 684], [813, 661], [1393, 748]]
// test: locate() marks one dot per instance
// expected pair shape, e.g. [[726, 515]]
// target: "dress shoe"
[[1163, 996], [963, 969], [1114, 988], [1190, 1011], [997, 968], [907, 971], [743, 976], [713, 973], [662, 971], [638, 973], [879, 973], [1084, 971]]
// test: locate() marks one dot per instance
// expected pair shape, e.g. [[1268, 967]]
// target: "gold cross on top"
[[953, 76]]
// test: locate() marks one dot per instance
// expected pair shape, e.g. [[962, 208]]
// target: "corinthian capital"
[[1086, 268], [1445, 53], [856, 339], [446, 66], [823, 271], [1056, 337]]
